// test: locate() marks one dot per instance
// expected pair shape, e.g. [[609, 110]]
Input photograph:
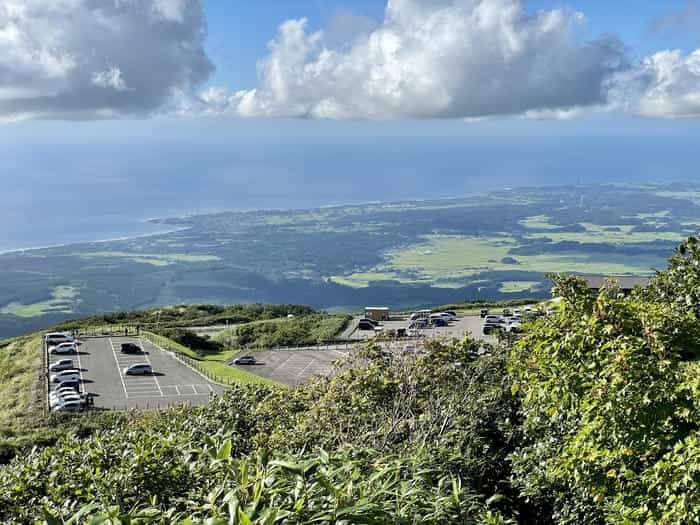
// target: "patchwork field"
[[499, 245], [62, 300], [450, 260]]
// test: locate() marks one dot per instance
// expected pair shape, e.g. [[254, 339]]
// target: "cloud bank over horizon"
[[442, 59]]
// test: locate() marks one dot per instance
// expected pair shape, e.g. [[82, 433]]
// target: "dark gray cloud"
[[98, 58]]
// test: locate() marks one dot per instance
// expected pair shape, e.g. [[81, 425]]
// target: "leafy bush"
[[591, 416], [296, 331], [605, 401], [409, 440], [191, 340], [190, 315]]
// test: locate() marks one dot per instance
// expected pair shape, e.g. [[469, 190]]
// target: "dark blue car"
[[439, 322]]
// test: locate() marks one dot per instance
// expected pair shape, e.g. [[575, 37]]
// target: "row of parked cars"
[[509, 321], [428, 318], [66, 378], [418, 320]]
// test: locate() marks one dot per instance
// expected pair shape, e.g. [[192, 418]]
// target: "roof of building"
[[376, 308], [626, 282]]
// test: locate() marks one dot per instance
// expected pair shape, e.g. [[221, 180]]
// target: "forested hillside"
[[591, 416]]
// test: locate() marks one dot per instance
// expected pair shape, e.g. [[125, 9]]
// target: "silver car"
[[138, 369], [63, 364]]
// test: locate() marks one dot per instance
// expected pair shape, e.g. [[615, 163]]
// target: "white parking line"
[[119, 370], [149, 363]]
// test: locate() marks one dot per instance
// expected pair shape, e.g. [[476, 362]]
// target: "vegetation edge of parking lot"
[[214, 366]]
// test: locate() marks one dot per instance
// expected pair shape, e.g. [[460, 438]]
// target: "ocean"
[[57, 194]]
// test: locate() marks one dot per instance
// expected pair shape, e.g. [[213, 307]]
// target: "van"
[[54, 338]]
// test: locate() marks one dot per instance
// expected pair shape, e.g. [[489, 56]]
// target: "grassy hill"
[[23, 421], [591, 416]]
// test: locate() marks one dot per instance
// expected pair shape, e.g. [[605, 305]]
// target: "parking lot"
[[293, 367], [101, 366], [463, 325]]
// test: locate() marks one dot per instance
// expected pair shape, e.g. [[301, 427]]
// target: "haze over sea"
[[82, 190]]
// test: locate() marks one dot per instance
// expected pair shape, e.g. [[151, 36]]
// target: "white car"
[[53, 338], [513, 327], [69, 406], [61, 400], [138, 369], [64, 348], [65, 375], [62, 391], [63, 364]]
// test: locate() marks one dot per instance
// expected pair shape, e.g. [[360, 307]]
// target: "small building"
[[626, 282], [377, 313]]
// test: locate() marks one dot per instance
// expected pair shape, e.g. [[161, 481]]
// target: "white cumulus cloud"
[[667, 84], [110, 78], [94, 59], [435, 58]]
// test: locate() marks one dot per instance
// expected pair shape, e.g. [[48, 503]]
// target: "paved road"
[[102, 364]]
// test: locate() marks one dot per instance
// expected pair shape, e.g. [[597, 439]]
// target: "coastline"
[[188, 215], [98, 241]]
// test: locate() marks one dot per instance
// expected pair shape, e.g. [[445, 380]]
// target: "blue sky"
[[131, 112], [240, 30], [349, 60]]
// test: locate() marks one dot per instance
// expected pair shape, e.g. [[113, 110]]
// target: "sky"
[[236, 44], [374, 60], [142, 108]]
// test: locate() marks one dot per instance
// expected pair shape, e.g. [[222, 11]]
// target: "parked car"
[[69, 406], [69, 383], [418, 323], [63, 390], [138, 369], [64, 348], [62, 364], [484, 312], [65, 375], [131, 348], [492, 328], [57, 400], [367, 324], [513, 327], [492, 319], [245, 360], [420, 314], [439, 321], [507, 312], [442, 315], [54, 338]]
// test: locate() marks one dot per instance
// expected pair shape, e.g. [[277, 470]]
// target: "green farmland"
[[497, 246]]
